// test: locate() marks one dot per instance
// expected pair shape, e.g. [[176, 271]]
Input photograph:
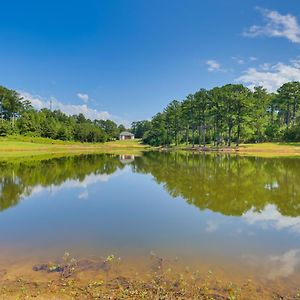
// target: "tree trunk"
[[287, 117], [199, 135], [238, 133], [187, 135], [204, 135], [193, 137], [229, 135], [294, 111]]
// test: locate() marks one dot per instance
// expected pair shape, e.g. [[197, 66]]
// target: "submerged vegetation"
[[105, 279], [226, 115]]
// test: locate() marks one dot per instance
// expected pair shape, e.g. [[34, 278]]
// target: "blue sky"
[[126, 59]]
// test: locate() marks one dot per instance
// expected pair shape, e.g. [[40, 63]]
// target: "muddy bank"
[[109, 278]]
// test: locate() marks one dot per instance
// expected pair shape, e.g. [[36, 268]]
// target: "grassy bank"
[[262, 149], [21, 146]]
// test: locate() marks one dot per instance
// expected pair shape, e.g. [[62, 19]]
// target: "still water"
[[236, 215]]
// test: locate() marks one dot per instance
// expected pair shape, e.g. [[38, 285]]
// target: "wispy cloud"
[[276, 25], [276, 266], [211, 226], [214, 66], [238, 60], [271, 217], [83, 195], [284, 265], [83, 97], [70, 109], [253, 58], [271, 76]]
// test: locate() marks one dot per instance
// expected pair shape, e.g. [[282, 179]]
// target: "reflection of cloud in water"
[[211, 226], [88, 180], [83, 195], [276, 266], [284, 265], [270, 216]]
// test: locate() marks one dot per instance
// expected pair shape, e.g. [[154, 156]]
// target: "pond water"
[[239, 216]]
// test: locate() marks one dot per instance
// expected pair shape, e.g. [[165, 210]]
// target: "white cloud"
[[75, 183], [276, 25], [276, 266], [211, 226], [270, 76], [253, 58], [271, 217], [83, 97], [238, 60], [213, 66], [70, 109], [284, 265], [83, 195]]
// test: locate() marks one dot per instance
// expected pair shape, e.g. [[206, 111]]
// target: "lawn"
[[261, 149], [268, 149], [17, 146], [20, 146]]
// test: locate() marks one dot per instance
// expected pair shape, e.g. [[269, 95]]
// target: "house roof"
[[126, 133]]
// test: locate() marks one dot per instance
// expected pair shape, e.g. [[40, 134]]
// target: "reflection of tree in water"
[[227, 184], [18, 179]]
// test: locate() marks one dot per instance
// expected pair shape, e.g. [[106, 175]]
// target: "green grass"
[[268, 149], [21, 146], [261, 149], [24, 146]]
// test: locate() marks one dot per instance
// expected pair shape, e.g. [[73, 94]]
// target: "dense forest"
[[226, 115], [19, 117]]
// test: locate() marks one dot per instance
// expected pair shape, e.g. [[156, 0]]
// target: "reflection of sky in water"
[[270, 217], [130, 213]]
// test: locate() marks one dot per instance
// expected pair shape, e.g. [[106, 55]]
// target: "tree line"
[[225, 115], [17, 116]]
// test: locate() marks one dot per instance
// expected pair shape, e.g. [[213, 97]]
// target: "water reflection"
[[231, 185], [21, 179], [259, 189], [126, 159], [240, 208]]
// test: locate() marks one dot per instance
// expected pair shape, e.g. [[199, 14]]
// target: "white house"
[[126, 135]]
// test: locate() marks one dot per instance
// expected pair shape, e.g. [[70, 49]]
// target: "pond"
[[237, 216]]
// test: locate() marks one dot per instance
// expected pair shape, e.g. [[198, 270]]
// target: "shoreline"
[[22, 146], [111, 278], [262, 149]]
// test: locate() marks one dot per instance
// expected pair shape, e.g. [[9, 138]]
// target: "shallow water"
[[239, 216]]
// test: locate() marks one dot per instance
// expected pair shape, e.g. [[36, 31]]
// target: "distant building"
[[126, 135]]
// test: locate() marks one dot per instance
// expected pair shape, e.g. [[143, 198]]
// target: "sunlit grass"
[[22, 146], [259, 149]]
